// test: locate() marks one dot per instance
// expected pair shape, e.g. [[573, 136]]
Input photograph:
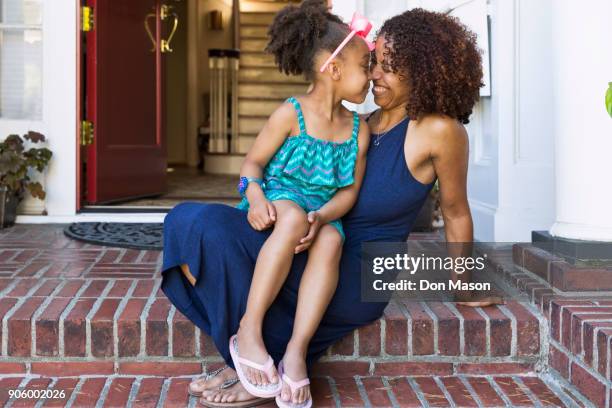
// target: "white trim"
[[483, 215], [91, 217], [581, 231]]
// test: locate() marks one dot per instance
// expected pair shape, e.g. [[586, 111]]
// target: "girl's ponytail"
[[298, 32]]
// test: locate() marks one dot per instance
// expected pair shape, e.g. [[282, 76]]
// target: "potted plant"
[[15, 163]]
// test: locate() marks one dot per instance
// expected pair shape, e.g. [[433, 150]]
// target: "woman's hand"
[[314, 218], [262, 214]]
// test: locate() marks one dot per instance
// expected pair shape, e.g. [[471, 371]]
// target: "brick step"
[[70, 308], [580, 324], [561, 274], [165, 390], [47, 319]]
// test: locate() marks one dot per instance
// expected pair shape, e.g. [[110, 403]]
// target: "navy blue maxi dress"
[[221, 249]]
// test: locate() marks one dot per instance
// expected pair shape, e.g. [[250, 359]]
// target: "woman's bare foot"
[[235, 393], [251, 347], [203, 383], [294, 366]]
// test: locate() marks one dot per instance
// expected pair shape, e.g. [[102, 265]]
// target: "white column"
[[583, 129]]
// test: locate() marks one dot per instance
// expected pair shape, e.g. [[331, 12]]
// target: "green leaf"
[[12, 142], [35, 137], [609, 99], [36, 190], [10, 162]]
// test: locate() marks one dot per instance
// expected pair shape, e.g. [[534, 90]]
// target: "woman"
[[426, 74]]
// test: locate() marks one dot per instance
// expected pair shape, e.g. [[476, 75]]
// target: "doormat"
[[118, 234]]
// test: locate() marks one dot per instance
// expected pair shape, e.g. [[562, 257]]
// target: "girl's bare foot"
[[294, 365], [205, 382], [251, 347], [235, 393]]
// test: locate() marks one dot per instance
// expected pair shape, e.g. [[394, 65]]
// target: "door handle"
[[167, 12], [148, 30]]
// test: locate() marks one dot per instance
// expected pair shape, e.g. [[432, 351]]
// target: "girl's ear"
[[334, 70]]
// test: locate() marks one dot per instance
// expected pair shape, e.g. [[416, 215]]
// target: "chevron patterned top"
[[309, 170], [316, 161]]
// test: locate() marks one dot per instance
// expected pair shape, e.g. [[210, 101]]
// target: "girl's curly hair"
[[298, 33], [439, 58]]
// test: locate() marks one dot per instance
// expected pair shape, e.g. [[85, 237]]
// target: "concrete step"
[[256, 18], [256, 59], [268, 75], [266, 91]]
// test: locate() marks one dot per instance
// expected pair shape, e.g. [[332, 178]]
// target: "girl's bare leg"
[[317, 287], [271, 270]]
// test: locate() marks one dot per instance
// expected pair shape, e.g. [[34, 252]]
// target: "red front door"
[[125, 101]]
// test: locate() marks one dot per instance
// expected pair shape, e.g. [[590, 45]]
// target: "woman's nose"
[[375, 73]]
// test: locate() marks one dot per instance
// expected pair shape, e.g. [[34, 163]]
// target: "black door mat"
[[118, 234]]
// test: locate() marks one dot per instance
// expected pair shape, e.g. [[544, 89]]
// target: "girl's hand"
[[261, 215], [314, 218]]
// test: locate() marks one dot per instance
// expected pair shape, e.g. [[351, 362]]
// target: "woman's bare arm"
[[450, 157]]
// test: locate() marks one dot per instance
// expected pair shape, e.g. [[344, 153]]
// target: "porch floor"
[[190, 184]]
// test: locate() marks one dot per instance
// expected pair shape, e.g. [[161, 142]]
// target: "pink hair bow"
[[359, 26]]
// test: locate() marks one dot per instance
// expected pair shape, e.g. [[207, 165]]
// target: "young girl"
[[302, 174]]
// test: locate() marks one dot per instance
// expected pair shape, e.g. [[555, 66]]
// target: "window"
[[21, 59]]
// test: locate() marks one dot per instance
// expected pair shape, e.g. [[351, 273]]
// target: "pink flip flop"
[[293, 385], [263, 391]]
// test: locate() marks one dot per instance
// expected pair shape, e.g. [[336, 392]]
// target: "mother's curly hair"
[[439, 58]]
